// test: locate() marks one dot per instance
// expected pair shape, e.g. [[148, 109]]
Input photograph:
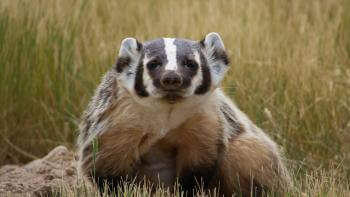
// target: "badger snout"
[[171, 80]]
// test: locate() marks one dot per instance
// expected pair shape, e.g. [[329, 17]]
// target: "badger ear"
[[129, 53], [214, 40], [127, 61], [214, 50]]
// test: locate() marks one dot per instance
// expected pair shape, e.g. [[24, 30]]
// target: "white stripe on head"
[[170, 51]]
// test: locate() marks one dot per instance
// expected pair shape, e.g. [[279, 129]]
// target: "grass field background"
[[290, 71]]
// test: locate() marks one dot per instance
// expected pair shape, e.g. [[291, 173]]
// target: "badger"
[[160, 115]]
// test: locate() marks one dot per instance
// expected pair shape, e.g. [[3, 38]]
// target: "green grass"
[[290, 71]]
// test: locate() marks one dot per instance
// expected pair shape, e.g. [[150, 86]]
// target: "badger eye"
[[191, 65], [153, 65]]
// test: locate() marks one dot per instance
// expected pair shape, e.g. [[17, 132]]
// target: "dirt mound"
[[40, 177]]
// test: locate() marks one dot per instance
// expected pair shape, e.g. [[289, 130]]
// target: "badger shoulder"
[[249, 152], [99, 105], [235, 122]]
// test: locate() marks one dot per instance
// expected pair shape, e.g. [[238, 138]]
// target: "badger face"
[[171, 70]]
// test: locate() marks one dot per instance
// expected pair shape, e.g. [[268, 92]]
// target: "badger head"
[[171, 70]]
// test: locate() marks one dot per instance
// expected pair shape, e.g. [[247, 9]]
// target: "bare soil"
[[41, 177]]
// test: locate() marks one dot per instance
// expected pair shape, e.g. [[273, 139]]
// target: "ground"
[[40, 177]]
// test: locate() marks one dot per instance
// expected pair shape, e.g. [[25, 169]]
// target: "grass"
[[290, 71]]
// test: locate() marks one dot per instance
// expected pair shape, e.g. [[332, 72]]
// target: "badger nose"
[[171, 80]]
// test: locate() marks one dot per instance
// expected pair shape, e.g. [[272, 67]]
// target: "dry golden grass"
[[290, 71]]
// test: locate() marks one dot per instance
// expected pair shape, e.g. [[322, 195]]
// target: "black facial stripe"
[[206, 81], [140, 88], [156, 76]]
